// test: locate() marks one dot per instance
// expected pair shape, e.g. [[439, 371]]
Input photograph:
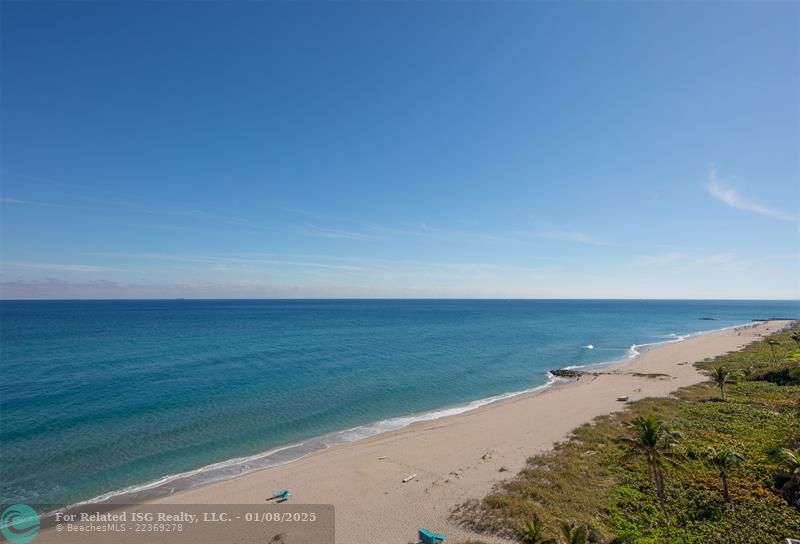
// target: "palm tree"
[[578, 534], [771, 342], [654, 440], [278, 539], [788, 483], [531, 532], [724, 460], [790, 460], [721, 377]]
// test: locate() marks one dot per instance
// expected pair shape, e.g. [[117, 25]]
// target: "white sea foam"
[[393, 424], [292, 452], [673, 336], [636, 349], [131, 490]]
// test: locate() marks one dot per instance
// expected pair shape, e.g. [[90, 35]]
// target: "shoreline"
[[216, 472], [460, 457]]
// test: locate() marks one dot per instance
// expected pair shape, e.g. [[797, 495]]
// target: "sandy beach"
[[460, 457]]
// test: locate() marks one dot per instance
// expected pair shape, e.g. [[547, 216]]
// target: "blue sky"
[[603, 149]]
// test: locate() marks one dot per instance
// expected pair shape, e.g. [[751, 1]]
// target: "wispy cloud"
[[298, 263], [59, 267], [19, 201], [563, 236], [229, 263], [368, 265], [178, 257], [718, 258], [76, 201], [675, 259], [577, 237], [328, 232], [660, 259], [5, 200], [458, 233], [719, 190], [170, 227], [329, 226], [52, 288]]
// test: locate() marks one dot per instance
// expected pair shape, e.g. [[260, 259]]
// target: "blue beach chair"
[[429, 537]]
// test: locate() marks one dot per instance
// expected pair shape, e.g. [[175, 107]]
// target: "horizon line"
[[532, 299]]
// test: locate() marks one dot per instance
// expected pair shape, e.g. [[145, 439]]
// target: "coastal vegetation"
[[718, 462]]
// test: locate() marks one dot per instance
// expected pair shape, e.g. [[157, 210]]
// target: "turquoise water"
[[99, 396]]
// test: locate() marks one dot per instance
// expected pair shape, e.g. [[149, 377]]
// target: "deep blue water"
[[100, 395]]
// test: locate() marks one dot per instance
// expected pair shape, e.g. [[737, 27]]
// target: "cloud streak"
[[455, 233], [21, 202], [731, 197], [58, 267], [567, 236], [334, 233], [662, 259], [672, 260]]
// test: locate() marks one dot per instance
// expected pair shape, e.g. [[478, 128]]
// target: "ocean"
[[104, 399]]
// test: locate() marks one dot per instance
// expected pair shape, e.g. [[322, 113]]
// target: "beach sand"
[[459, 457]]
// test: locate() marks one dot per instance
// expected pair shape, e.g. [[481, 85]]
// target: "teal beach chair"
[[429, 537], [280, 495]]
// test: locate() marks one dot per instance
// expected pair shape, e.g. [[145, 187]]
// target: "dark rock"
[[567, 373]]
